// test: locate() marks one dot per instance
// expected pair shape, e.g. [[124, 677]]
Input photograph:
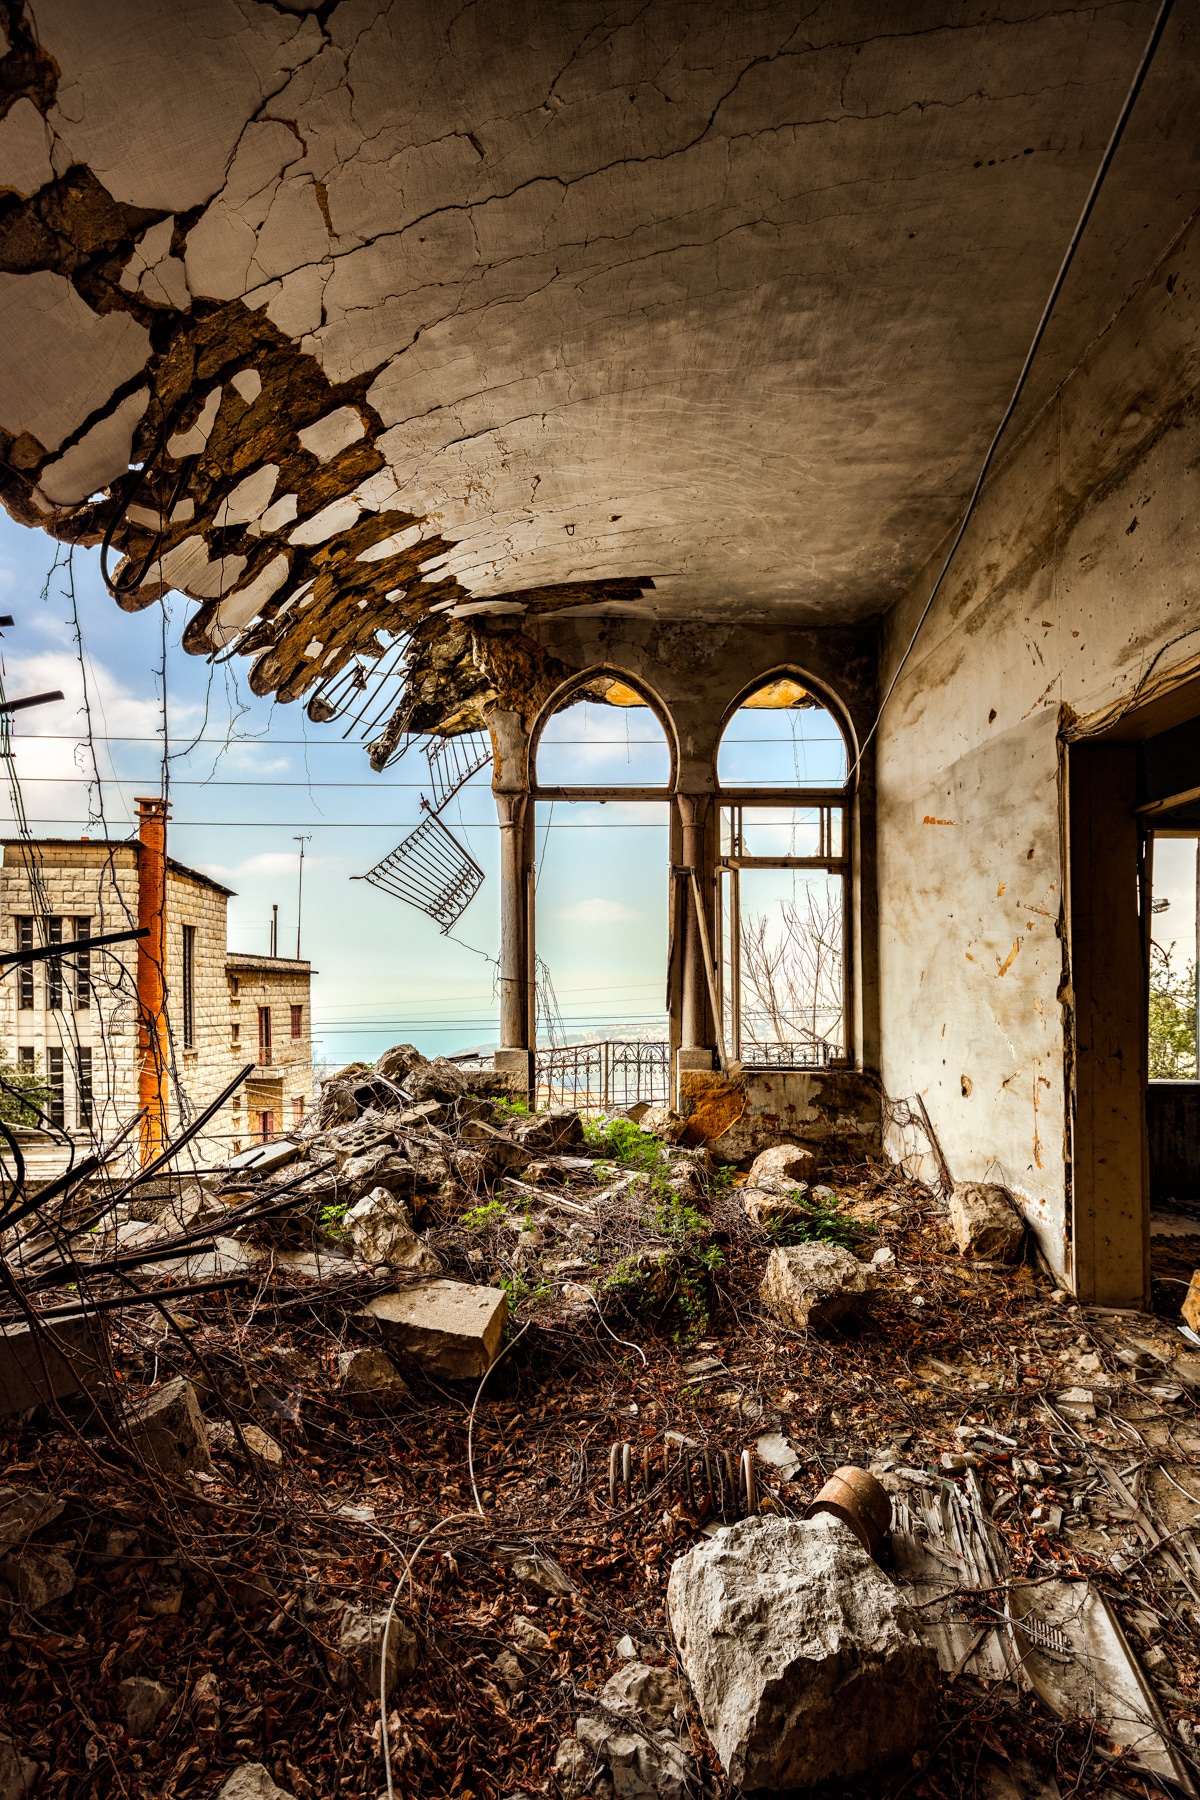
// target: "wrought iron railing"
[[816, 1054], [604, 1076]]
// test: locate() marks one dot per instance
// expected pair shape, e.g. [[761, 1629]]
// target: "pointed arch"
[[604, 728], [785, 730]]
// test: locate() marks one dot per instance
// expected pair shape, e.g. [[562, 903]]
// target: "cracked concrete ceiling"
[[367, 324]]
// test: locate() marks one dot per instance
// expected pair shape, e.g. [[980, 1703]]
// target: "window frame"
[[25, 995], [81, 964], [188, 961], [55, 986], [265, 1056], [56, 1112], [739, 798], [84, 1092]]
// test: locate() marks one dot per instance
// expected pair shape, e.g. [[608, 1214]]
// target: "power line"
[[360, 824]]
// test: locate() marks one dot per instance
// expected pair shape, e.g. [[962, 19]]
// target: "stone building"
[[76, 1021], [270, 1019], [543, 352]]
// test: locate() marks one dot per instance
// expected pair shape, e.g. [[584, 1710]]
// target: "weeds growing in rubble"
[[332, 1218], [621, 1141], [825, 1223], [481, 1217], [519, 1289]]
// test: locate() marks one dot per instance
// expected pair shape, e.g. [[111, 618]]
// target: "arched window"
[[784, 873], [599, 900], [782, 736], [603, 735]]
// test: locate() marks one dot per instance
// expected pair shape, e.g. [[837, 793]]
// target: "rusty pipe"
[[151, 977]]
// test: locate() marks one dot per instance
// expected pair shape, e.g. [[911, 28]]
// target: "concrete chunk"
[[371, 1382], [24, 1511], [36, 1578], [811, 1286], [253, 1782], [144, 1701], [361, 1647], [446, 1327], [261, 1448], [380, 1228], [804, 1664], [784, 1162], [645, 1765], [168, 1430], [652, 1696], [985, 1221], [59, 1364], [765, 1208]]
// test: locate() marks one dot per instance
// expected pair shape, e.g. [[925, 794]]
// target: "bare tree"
[[792, 986]]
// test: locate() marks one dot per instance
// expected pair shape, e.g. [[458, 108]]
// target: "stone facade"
[[270, 1022], [78, 1027]]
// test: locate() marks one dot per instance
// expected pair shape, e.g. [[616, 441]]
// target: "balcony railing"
[[604, 1076]]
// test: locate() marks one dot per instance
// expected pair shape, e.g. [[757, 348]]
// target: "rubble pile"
[[512, 1423]]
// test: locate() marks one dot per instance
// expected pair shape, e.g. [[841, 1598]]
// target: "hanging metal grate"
[[453, 760], [431, 871]]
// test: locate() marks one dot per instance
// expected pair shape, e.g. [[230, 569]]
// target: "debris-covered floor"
[[163, 1630]]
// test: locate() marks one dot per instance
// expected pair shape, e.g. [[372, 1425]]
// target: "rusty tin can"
[[859, 1501]]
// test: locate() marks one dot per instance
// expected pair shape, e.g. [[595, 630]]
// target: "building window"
[[297, 1021], [54, 968], [784, 881], [25, 970], [237, 1032], [266, 1127], [189, 987], [85, 1085], [264, 1034], [57, 1108], [83, 968], [297, 1109], [234, 986], [27, 1071]]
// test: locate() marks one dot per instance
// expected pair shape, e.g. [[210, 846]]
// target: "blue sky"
[[262, 773]]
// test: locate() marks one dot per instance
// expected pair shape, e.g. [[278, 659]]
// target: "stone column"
[[695, 1045], [510, 785]]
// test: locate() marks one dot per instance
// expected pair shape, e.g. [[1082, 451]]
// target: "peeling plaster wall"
[[1075, 595], [415, 312]]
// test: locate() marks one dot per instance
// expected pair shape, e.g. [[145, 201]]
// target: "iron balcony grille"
[[605, 1076], [453, 760], [431, 871]]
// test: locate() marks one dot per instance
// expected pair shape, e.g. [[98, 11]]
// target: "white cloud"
[[598, 912], [267, 862]]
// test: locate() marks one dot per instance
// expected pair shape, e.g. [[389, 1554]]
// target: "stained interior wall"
[[1072, 601]]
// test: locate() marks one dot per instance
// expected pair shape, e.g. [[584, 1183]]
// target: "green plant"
[[622, 1142], [480, 1217], [519, 1289], [506, 1107], [33, 1093], [822, 1222], [1172, 1021], [332, 1218], [720, 1182]]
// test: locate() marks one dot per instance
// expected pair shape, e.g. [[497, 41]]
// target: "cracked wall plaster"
[[443, 319]]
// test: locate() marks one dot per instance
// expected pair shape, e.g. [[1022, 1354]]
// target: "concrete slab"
[[31, 1372], [447, 1328]]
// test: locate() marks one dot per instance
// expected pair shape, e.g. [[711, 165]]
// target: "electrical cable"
[[1110, 151]]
